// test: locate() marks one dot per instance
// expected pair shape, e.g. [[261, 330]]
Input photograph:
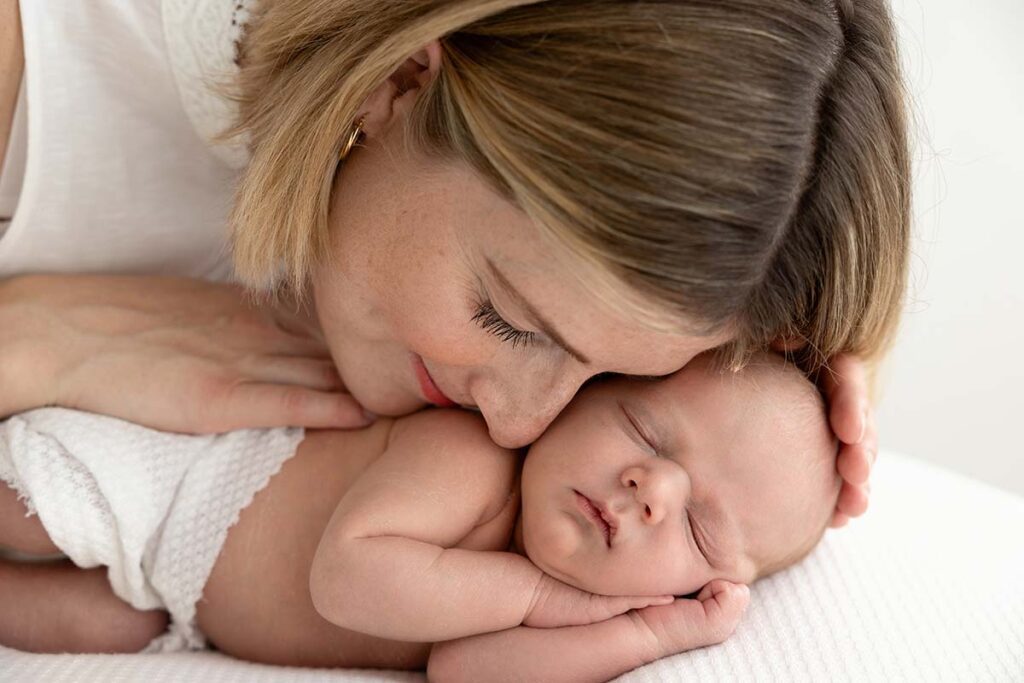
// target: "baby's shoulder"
[[456, 445]]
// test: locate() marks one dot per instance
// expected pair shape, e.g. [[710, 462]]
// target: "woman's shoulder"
[[202, 38]]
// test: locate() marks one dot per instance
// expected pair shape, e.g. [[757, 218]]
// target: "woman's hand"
[[558, 604], [853, 422], [845, 386], [169, 353]]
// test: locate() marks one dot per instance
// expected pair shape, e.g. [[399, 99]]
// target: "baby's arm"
[[595, 652], [387, 566]]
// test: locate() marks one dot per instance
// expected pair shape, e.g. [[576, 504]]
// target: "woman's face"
[[435, 290]]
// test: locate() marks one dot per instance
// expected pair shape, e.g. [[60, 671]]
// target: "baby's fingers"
[[723, 604], [688, 624], [641, 601], [608, 606]]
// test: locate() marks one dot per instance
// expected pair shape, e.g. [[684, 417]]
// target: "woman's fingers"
[[853, 500], [274, 405], [854, 463], [838, 520], [845, 387], [306, 372]]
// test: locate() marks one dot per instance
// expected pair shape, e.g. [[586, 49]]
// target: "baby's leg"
[[18, 532], [57, 607]]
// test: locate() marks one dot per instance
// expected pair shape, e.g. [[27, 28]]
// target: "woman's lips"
[[597, 516], [427, 386]]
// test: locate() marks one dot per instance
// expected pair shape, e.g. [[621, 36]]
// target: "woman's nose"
[[657, 493], [517, 414]]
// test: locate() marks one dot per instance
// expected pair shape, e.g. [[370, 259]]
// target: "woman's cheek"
[[437, 324]]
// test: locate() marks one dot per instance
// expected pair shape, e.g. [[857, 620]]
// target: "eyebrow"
[[545, 327]]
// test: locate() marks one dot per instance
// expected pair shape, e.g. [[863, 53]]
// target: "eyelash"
[[489, 319], [643, 435], [693, 533]]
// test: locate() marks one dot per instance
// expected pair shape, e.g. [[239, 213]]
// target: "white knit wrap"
[[152, 507]]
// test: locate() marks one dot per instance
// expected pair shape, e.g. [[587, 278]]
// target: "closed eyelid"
[[696, 540], [637, 429], [546, 328]]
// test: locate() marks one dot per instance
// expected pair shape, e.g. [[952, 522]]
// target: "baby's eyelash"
[[696, 540], [489, 319]]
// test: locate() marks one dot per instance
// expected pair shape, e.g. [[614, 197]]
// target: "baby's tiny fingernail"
[[369, 417], [863, 425]]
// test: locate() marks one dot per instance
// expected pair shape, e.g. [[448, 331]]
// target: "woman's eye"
[[489, 319]]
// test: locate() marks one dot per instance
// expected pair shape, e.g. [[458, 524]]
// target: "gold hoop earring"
[[355, 136]]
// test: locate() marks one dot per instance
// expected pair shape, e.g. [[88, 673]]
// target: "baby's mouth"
[[597, 516]]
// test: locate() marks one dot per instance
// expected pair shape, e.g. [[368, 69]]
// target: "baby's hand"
[[557, 604], [688, 624]]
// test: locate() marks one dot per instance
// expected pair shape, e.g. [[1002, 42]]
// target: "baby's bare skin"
[[367, 532], [256, 604]]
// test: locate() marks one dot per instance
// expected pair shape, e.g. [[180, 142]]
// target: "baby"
[[418, 542]]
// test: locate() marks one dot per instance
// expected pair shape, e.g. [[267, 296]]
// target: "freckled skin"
[[406, 271]]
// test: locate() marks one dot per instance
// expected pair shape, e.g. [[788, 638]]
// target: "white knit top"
[[115, 170]]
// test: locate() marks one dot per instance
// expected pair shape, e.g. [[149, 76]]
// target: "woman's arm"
[[387, 564], [168, 353], [11, 63], [596, 652]]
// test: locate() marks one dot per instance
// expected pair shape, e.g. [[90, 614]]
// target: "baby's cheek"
[[552, 544]]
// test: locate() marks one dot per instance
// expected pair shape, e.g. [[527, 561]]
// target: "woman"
[[539, 192]]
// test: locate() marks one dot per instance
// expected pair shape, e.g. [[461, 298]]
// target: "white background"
[[951, 391]]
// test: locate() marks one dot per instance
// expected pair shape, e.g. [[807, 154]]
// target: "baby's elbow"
[[327, 591]]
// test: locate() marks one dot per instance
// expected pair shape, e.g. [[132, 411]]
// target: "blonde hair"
[[737, 163]]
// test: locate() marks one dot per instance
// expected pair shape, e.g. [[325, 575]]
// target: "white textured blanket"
[[929, 586]]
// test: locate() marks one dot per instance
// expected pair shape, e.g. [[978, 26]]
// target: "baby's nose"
[[651, 492]]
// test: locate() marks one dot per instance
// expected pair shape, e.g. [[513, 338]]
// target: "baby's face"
[[656, 487]]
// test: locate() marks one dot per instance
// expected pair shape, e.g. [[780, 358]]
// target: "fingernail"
[[863, 424], [369, 417]]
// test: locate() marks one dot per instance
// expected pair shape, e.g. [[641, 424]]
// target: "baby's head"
[[652, 487]]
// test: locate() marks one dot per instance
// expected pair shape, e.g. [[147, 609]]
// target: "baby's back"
[[256, 604]]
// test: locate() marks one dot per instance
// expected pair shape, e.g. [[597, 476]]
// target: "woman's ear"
[[392, 98], [419, 69]]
